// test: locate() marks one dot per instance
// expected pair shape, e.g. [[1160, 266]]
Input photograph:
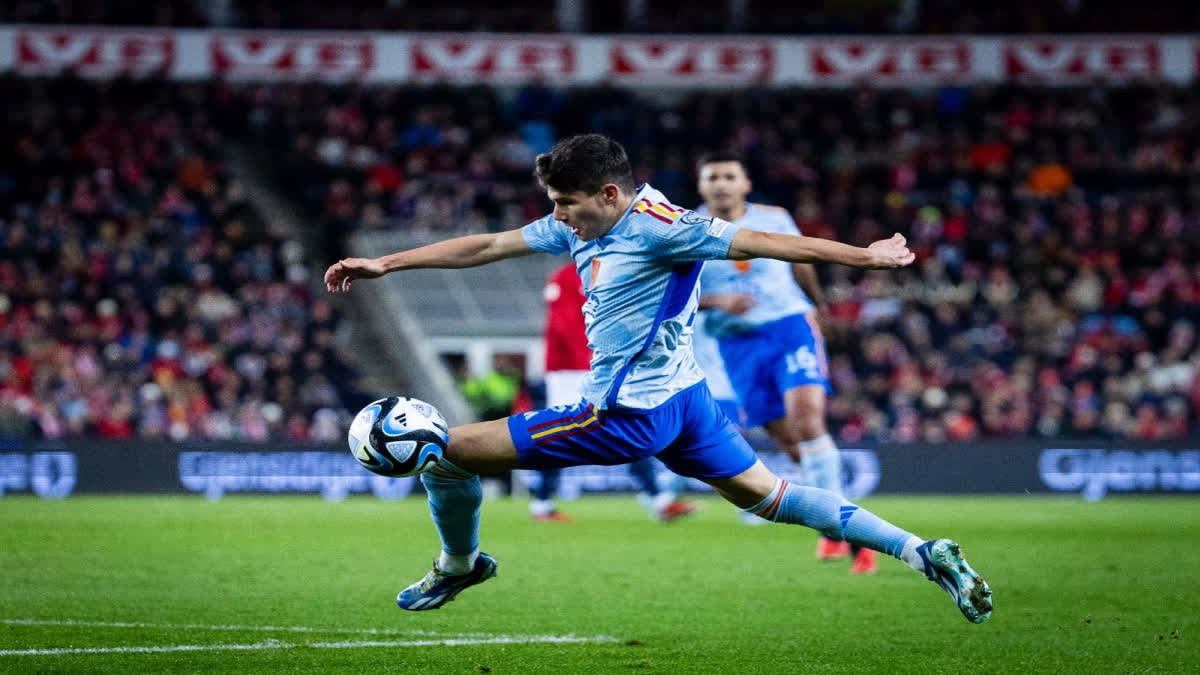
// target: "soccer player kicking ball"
[[762, 314], [640, 258], [567, 360]]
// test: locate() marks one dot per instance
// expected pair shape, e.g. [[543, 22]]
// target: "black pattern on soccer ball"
[[412, 442]]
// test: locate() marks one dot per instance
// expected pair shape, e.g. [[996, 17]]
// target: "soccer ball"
[[398, 436]]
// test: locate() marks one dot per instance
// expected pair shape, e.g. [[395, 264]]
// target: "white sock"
[[909, 555], [457, 564], [821, 463], [541, 507], [661, 501]]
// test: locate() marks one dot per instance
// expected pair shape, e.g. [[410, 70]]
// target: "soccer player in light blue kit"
[[640, 259], [708, 356], [707, 353], [761, 313]]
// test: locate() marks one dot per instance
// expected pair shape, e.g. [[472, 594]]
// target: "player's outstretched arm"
[[883, 254], [469, 251]]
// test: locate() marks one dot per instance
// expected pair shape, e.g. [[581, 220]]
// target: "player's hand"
[[734, 303], [890, 253], [342, 273]]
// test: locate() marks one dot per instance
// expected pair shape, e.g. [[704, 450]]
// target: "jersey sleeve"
[[690, 237], [547, 235]]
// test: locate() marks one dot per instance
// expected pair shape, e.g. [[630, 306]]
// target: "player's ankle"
[[909, 556], [457, 564]]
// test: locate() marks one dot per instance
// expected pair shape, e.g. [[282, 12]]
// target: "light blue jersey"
[[708, 355], [642, 295], [769, 281]]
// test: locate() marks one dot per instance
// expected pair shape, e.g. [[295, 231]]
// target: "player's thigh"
[[580, 434], [747, 488], [707, 444], [805, 411], [483, 448], [785, 434]]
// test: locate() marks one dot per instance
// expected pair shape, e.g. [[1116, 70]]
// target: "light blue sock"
[[822, 464], [832, 516], [676, 484], [454, 504], [642, 472]]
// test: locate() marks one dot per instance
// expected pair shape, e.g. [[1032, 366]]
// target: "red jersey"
[[566, 341]]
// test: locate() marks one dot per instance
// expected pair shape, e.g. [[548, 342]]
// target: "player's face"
[[590, 216], [723, 185]]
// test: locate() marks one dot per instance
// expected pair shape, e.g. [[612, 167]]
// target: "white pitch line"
[[201, 626], [275, 644]]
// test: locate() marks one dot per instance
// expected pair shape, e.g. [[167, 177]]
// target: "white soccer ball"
[[398, 436]]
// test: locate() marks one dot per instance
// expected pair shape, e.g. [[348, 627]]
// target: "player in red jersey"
[[567, 360]]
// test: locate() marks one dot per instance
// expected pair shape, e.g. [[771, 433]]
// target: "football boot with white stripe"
[[945, 566], [437, 587]]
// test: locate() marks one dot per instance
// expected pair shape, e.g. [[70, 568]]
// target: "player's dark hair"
[[585, 163], [722, 156]]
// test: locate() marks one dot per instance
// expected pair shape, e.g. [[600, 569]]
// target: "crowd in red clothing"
[[1056, 291], [140, 293]]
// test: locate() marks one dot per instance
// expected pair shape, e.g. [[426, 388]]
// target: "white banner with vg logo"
[[678, 61]]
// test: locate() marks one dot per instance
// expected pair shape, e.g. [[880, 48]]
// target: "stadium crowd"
[[140, 293], [1057, 290], [1056, 294]]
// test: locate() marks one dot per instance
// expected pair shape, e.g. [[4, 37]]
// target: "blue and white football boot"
[[437, 588], [945, 566]]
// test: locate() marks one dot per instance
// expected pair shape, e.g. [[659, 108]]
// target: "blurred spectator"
[[140, 294], [493, 394], [1056, 291], [1055, 229]]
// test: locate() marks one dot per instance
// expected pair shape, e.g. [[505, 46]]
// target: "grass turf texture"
[[1103, 587]]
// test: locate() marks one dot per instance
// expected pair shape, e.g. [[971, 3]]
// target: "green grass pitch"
[[295, 584]]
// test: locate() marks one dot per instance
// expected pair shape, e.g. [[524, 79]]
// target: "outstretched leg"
[[455, 497], [760, 492], [802, 433]]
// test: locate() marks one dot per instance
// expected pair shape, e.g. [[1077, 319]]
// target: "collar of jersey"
[[629, 210]]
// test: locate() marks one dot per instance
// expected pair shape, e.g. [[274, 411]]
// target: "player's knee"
[[784, 434], [747, 488], [808, 427], [806, 413]]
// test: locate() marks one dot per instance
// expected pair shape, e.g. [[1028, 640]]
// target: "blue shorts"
[[764, 363], [731, 409], [688, 433]]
